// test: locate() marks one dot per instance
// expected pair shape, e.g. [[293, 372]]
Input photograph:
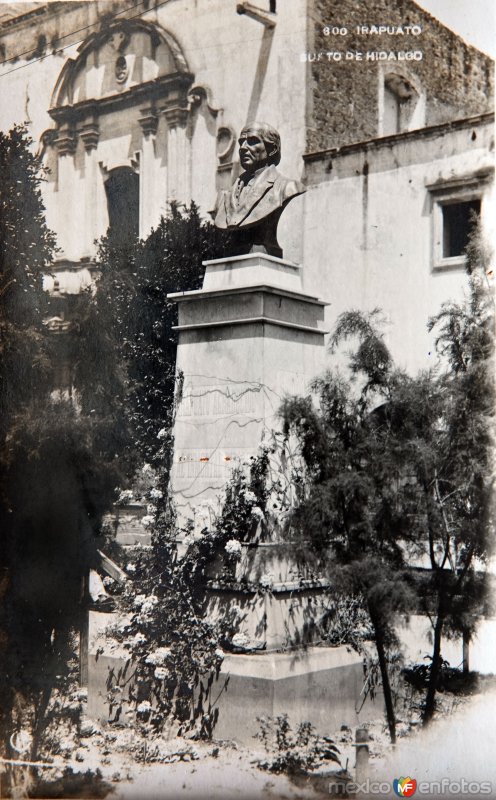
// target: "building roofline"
[[39, 11], [386, 141]]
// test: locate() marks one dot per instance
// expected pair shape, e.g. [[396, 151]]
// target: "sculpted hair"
[[270, 138]]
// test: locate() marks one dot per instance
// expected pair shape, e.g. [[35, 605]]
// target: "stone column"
[[178, 153], [90, 134], [149, 123], [66, 144]]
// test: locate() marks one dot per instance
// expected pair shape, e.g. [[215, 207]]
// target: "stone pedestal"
[[246, 339], [321, 685], [249, 337]]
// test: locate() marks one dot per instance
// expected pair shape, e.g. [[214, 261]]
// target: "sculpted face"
[[252, 151]]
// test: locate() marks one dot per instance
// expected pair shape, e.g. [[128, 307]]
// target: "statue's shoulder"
[[288, 187]]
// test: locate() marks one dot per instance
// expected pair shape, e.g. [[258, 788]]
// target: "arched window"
[[122, 189], [401, 106]]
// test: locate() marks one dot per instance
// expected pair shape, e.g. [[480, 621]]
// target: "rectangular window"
[[456, 203], [458, 221]]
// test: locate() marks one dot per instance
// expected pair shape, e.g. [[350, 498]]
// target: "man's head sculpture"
[[256, 135], [252, 207]]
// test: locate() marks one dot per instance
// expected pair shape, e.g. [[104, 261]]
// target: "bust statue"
[[252, 207]]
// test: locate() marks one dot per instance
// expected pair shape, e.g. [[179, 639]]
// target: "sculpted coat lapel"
[[269, 192]]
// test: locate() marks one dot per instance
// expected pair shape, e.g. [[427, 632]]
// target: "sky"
[[473, 20]]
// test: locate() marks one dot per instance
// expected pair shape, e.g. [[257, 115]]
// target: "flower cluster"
[[240, 640], [158, 657], [160, 673], [267, 580], [233, 548], [125, 496]]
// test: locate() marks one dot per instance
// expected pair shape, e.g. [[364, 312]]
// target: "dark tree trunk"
[[386, 686], [430, 699]]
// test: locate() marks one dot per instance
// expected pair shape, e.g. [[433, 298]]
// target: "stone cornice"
[[146, 93], [387, 141], [66, 141], [90, 134], [176, 115], [148, 121]]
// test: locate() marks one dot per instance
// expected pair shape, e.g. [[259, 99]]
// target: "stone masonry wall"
[[343, 95]]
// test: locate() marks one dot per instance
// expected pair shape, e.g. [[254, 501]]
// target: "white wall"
[[368, 240]]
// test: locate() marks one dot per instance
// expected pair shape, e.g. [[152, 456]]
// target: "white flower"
[[257, 512], [162, 433], [147, 521], [149, 605], [160, 673], [219, 654], [139, 600], [156, 494], [151, 509], [250, 497], [240, 640], [131, 568], [233, 547], [144, 707], [158, 657], [146, 469], [267, 580], [125, 496], [137, 639]]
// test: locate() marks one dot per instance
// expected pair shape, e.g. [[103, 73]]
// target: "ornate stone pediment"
[[132, 61]]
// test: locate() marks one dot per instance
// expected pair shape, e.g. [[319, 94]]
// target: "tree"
[[27, 248], [456, 477], [63, 454], [355, 504], [58, 463], [398, 473], [28, 613], [131, 323]]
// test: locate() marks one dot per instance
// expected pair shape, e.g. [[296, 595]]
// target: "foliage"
[[73, 785], [295, 752], [245, 505], [398, 471], [39, 583], [58, 463], [449, 679], [356, 511], [347, 622], [130, 322], [27, 247], [175, 645], [456, 480]]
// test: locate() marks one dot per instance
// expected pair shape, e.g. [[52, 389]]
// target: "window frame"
[[451, 192]]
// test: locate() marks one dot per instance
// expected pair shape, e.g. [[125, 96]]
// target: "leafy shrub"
[[294, 752]]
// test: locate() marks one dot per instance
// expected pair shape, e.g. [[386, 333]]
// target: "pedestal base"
[[321, 685]]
